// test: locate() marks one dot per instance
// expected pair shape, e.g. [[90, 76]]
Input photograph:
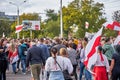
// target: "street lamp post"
[[18, 18], [61, 23]]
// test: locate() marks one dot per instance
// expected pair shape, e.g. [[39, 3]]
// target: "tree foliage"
[[80, 13], [52, 26], [5, 27], [116, 16], [51, 15]]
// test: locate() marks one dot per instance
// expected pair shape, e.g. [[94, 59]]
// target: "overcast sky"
[[40, 5]]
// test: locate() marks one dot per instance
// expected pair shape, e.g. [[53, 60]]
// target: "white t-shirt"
[[64, 63]]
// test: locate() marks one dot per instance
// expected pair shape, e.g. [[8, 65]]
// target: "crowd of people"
[[59, 58]]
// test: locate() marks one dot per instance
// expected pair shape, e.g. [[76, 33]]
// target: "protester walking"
[[82, 57], [67, 63], [3, 61], [108, 49], [58, 44], [36, 60], [13, 57], [72, 55], [44, 48], [22, 50], [115, 64], [101, 67], [53, 66]]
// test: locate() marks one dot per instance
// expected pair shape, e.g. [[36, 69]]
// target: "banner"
[[31, 25]]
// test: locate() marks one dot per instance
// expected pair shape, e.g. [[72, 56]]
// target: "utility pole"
[[61, 22], [18, 18]]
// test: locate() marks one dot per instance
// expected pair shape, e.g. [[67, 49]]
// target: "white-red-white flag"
[[91, 49], [14, 58], [114, 26], [18, 28]]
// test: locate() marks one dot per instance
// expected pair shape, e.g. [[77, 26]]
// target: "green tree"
[[116, 16], [52, 27], [51, 15], [5, 27], [78, 14]]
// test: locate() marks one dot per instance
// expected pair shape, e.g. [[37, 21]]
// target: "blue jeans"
[[81, 70], [23, 63], [14, 67], [88, 75], [56, 75]]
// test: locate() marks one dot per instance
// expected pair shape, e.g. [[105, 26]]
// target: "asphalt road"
[[19, 76]]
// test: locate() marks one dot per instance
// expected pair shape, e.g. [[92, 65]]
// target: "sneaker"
[[18, 69], [24, 73]]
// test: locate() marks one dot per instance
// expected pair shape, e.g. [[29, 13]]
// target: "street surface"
[[20, 76]]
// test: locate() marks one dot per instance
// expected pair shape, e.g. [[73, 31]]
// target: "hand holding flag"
[[90, 51]]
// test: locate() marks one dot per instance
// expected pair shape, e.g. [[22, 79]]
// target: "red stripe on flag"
[[93, 50], [114, 26], [90, 50], [15, 54], [116, 23], [18, 28], [110, 26]]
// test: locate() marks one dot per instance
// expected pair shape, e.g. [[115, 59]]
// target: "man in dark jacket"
[[35, 57]]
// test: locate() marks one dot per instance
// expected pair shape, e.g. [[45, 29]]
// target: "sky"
[[39, 6], [30, 6]]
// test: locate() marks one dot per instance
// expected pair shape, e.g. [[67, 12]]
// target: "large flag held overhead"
[[114, 26], [90, 51], [18, 28]]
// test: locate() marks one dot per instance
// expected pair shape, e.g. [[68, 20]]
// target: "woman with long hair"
[[67, 63], [53, 65]]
